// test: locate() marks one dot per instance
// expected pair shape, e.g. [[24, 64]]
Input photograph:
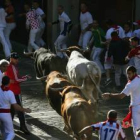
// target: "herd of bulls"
[[74, 95]]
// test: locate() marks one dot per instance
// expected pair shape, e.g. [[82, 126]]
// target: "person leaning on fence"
[[7, 99]]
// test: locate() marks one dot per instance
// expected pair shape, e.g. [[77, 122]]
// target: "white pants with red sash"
[[136, 119]]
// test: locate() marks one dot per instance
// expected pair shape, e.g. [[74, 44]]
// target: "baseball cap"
[[14, 55], [136, 22]]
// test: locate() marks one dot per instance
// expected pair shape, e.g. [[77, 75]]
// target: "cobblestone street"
[[44, 123]]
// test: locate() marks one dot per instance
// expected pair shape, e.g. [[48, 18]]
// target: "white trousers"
[[95, 56], [32, 38], [60, 43], [7, 32], [7, 128], [4, 43], [84, 39], [119, 69], [136, 119], [39, 39]]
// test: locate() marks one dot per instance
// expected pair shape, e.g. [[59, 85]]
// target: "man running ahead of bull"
[[131, 89]]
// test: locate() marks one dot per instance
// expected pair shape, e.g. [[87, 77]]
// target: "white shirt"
[[129, 34], [1, 76], [63, 19], [40, 12], [85, 20], [132, 89], [136, 33], [108, 130], [119, 29], [2, 18], [6, 99]]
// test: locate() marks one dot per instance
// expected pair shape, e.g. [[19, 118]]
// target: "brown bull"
[[76, 111], [55, 84]]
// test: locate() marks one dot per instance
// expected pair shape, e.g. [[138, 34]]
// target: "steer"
[[76, 111], [45, 62], [55, 84], [83, 73]]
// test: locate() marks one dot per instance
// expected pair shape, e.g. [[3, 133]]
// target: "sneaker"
[[107, 82]]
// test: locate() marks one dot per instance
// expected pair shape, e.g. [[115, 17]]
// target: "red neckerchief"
[[133, 78], [115, 38], [83, 12], [115, 27], [126, 123], [4, 88]]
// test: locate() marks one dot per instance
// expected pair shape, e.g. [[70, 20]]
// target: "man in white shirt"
[[3, 67], [2, 36], [86, 21], [65, 24], [41, 16], [108, 130], [6, 100], [131, 89], [136, 32]]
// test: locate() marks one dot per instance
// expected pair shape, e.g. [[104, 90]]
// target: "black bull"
[[45, 62]]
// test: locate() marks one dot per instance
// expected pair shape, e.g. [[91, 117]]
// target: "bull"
[[76, 111], [83, 73], [56, 82], [45, 62]]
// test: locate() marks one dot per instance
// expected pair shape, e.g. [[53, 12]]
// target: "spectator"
[[7, 99], [108, 64], [135, 53], [65, 25], [3, 67], [2, 36], [98, 39], [41, 16], [15, 80], [32, 23], [136, 32], [109, 129], [86, 22], [10, 19], [127, 30], [119, 49]]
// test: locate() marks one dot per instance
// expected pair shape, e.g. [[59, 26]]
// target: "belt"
[[4, 110]]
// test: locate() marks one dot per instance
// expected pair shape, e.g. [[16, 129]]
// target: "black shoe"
[[25, 130]]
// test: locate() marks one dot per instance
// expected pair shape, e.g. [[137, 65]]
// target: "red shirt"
[[13, 74]]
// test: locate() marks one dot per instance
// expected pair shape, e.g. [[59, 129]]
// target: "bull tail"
[[90, 69]]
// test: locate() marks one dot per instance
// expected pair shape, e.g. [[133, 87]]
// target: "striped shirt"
[[13, 74], [109, 131]]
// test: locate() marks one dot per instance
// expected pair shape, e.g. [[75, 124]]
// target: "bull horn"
[[41, 78], [28, 53]]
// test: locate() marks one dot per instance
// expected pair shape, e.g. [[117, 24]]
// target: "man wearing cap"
[[15, 80], [136, 32]]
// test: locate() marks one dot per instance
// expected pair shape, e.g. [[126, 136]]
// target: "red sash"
[[126, 123], [4, 110]]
